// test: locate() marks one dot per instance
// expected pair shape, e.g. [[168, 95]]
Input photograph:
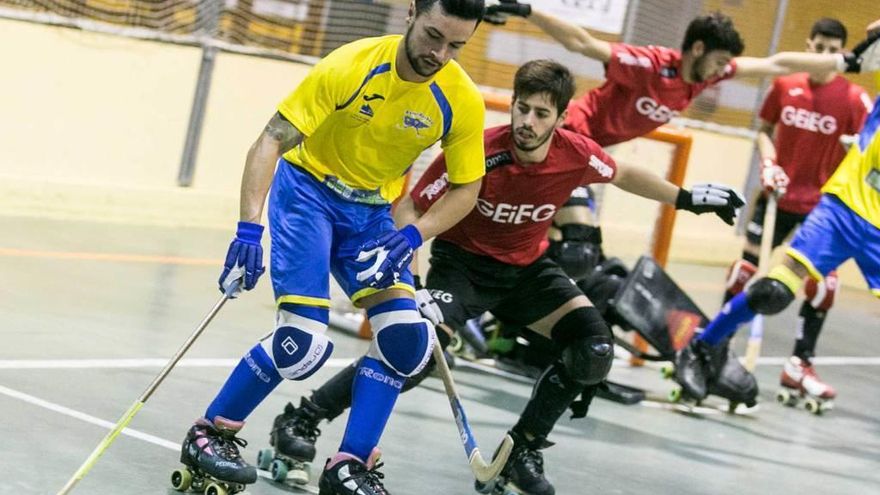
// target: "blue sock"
[[250, 382], [375, 390], [732, 315]]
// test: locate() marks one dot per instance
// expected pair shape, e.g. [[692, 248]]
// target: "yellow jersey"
[[857, 180], [365, 126]]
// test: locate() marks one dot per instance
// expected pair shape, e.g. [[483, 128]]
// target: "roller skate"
[[800, 381], [294, 433], [524, 472], [345, 474], [730, 380], [213, 463], [691, 372]]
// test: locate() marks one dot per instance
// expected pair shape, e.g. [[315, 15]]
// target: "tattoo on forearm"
[[282, 131]]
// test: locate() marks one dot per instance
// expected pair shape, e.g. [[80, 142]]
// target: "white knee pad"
[[298, 346], [403, 340]]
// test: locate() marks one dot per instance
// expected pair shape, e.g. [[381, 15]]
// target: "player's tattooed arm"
[[282, 131], [278, 137]]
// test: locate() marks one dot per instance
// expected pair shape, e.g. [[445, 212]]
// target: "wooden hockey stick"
[[483, 472], [756, 330], [138, 404]]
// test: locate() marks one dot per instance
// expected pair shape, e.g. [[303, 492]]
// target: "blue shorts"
[[832, 234], [316, 232]]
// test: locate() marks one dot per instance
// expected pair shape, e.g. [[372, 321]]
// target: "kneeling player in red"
[[495, 260]]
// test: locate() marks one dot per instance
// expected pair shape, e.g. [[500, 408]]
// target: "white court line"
[[87, 418], [31, 364]]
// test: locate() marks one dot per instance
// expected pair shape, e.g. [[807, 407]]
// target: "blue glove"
[[393, 252], [244, 260]]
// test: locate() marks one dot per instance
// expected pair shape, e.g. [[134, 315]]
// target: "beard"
[[539, 140], [419, 64]]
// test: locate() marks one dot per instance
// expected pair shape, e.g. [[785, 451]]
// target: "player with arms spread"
[[495, 260], [646, 86], [845, 224], [802, 120], [343, 142]]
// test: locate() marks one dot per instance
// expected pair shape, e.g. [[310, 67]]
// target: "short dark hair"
[[544, 76], [716, 31], [463, 9], [831, 28]]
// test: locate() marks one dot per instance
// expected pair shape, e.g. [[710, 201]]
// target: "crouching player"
[[495, 260], [845, 224], [343, 141]]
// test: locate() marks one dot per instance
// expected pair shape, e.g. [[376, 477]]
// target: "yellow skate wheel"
[[675, 395], [813, 406], [299, 473], [216, 489], [181, 480], [264, 458], [667, 371]]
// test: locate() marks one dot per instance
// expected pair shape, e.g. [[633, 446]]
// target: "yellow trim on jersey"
[[366, 126], [368, 291], [304, 300], [876, 292], [805, 262]]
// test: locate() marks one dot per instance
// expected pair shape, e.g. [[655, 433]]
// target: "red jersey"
[[643, 90], [517, 201], [810, 119]]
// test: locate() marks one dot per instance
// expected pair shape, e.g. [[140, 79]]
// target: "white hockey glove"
[[428, 306], [715, 198], [773, 178]]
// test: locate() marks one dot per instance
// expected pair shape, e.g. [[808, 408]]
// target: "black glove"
[[858, 60], [497, 13], [704, 198]]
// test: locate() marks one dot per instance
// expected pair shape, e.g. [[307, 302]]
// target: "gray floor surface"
[[79, 299]]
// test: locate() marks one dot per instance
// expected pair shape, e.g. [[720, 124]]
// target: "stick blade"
[[487, 472]]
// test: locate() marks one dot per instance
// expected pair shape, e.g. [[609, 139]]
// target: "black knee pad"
[[587, 345], [768, 296]]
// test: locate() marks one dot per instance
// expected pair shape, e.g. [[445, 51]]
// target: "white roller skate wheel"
[[299, 474], [813, 406]]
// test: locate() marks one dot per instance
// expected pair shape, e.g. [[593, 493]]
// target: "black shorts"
[[466, 285], [785, 223]]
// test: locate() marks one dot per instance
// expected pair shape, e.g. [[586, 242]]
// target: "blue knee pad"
[[402, 338], [298, 346]]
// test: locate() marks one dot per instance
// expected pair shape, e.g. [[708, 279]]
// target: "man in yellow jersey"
[[845, 224], [343, 142]]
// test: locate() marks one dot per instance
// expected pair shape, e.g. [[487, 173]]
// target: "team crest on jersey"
[[670, 72], [417, 121], [366, 110]]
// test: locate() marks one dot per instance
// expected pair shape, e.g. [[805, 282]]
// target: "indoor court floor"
[[92, 311]]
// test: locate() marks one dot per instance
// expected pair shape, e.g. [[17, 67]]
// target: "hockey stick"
[[756, 330], [138, 404], [483, 472]]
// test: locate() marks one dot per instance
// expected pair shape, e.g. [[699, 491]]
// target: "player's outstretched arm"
[[865, 57], [571, 36], [702, 198]]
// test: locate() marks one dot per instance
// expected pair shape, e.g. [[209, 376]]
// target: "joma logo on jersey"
[[654, 111], [807, 120], [416, 120], [516, 214]]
